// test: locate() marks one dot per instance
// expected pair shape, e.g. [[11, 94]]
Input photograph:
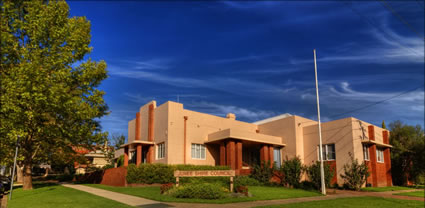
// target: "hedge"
[[199, 191], [161, 173]]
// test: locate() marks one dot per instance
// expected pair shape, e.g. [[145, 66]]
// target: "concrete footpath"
[[141, 202], [123, 198]]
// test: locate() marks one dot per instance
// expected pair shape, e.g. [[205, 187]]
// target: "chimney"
[[231, 116]]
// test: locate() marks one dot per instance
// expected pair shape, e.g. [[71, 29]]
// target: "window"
[[277, 158], [365, 152], [160, 149], [198, 151], [328, 151], [380, 155]]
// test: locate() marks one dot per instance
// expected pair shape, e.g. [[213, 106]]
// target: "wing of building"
[[171, 134]]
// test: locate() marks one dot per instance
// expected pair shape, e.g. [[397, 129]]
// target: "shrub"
[[245, 181], [355, 174], [120, 161], [150, 173], [292, 170], [161, 173], [223, 181], [242, 189], [108, 166], [166, 187], [308, 185], [65, 177], [313, 173], [199, 191], [263, 173]]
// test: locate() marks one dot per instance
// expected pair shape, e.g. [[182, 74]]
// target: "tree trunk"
[[19, 173], [46, 173], [27, 176]]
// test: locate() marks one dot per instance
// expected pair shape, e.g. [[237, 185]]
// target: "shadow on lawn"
[[36, 186]]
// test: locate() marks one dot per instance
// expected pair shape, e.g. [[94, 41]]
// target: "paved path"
[[386, 194], [123, 198], [141, 202]]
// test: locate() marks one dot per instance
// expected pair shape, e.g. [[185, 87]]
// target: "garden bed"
[[258, 193]]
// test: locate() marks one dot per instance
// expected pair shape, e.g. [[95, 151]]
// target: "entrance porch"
[[138, 152], [241, 150]]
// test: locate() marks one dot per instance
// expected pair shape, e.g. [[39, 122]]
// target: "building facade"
[[171, 134]]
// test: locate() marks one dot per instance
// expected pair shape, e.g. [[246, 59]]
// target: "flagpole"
[[322, 172], [14, 168]]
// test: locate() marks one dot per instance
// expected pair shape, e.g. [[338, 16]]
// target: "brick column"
[[138, 154], [264, 153], [271, 156], [230, 154], [387, 160], [138, 127], [125, 156], [150, 154], [222, 154], [372, 154], [238, 156]]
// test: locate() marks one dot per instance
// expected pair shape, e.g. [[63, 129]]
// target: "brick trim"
[[184, 139], [385, 137], [372, 154], [371, 131], [126, 156], [387, 159], [151, 123]]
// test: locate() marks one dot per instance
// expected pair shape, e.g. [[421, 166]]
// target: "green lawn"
[[56, 196], [414, 193], [388, 188], [258, 192], [355, 202]]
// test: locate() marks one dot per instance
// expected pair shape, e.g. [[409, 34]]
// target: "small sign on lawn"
[[205, 173]]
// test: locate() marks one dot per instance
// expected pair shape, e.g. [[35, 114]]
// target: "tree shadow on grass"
[[52, 186]]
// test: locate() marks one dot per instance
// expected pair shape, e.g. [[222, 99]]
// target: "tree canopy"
[[49, 87], [407, 154]]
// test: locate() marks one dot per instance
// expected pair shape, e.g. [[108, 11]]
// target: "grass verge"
[[54, 196], [354, 202], [383, 189], [258, 193], [413, 193]]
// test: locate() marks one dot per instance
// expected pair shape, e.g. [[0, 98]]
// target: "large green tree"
[[49, 96], [407, 154]]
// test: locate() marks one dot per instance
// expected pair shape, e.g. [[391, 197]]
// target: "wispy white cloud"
[[150, 64], [344, 99], [241, 59], [142, 99], [243, 5], [390, 47], [223, 110], [225, 84]]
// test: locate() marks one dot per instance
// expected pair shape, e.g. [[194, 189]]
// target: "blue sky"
[[255, 59]]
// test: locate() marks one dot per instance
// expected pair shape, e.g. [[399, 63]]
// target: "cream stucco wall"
[[284, 128], [300, 135], [338, 132], [160, 132]]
